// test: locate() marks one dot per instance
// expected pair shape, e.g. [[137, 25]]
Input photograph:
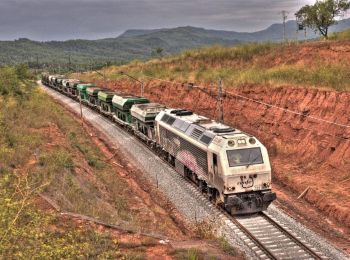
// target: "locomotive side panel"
[[194, 158]]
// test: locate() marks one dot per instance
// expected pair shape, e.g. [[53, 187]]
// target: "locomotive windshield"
[[244, 157]]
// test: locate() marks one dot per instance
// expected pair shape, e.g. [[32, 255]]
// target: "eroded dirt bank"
[[305, 152]]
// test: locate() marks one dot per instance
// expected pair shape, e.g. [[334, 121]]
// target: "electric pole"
[[139, 81], [284, 17], [220, 102], [37, 61]]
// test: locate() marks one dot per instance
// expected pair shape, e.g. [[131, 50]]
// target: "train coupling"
[[239, 204]]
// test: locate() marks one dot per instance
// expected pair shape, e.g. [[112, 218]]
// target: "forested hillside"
[[139, 44]]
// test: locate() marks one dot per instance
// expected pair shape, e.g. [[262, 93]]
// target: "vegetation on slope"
[[270, 64], [45, 151], [341, 36]]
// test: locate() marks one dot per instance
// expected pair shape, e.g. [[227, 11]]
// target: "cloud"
[[91, 19]]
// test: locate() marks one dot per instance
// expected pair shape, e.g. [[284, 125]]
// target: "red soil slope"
[[305, 152]]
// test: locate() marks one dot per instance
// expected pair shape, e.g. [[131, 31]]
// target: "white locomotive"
[[230, 165]]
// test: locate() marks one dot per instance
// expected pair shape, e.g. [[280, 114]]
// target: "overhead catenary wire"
[[301, 114]]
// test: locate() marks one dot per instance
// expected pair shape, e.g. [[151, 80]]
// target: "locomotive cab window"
[[244, 157]]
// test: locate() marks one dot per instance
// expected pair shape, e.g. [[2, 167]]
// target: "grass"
[[341, 36], [227, 248], [190, 254], [41, 150], [247, 64]]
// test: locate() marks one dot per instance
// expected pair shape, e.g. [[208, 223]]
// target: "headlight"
[[231, 143], [252, 140]]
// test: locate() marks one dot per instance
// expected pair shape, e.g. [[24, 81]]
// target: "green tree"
[[159, 51], [322, 14], [22, 71]]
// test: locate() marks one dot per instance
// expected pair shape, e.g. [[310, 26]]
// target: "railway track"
[[261, 233], [265, 236], [274, 240]]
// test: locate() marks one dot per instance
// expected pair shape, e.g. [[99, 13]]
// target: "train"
[[232, 168]]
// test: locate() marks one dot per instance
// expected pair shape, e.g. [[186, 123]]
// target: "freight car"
[[82, 92], [230, 166], [93, 96], [105, 102], [122, 105], [144, 116], [72, 88]]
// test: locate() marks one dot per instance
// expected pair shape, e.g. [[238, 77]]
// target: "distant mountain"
[[141, 44], [273, 33], [132, 33]]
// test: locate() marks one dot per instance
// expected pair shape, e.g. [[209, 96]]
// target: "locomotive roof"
[[196, 126]]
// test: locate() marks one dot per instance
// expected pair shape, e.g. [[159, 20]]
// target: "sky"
[[94, 19]]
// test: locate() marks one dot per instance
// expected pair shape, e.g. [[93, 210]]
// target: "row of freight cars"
[[115, 105], [230, 166]]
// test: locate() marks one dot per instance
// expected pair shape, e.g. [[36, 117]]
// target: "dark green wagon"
[[82, 88], [105, 101], [122, 105]]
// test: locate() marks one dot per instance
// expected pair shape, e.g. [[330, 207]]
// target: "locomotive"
[[228, 165]]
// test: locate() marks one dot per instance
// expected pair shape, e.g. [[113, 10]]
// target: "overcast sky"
[[92, 19]]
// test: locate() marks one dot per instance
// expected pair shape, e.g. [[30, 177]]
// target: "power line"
[[290, 111], [258, 102]]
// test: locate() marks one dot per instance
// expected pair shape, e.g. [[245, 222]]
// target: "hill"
[[138, 44], [311, 64]]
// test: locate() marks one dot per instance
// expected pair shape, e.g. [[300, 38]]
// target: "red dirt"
[[304, 152], [308, 54]]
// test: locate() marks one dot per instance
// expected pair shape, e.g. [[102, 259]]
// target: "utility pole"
[[104, 76], [69, 62], [139, 81], [220, 102], [284, 17], [37, 61], [142, 88], [81, 111]]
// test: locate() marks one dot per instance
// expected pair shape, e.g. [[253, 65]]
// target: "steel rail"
[[291, 236]]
